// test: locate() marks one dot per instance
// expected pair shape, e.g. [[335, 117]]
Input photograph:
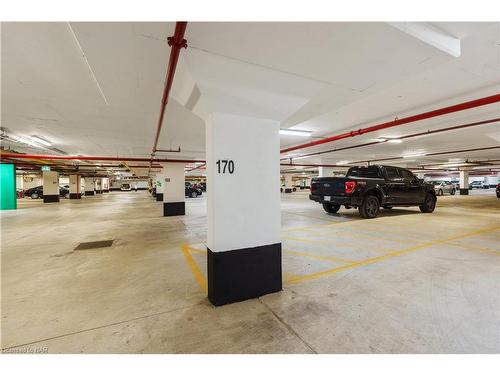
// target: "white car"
[[442, 187]]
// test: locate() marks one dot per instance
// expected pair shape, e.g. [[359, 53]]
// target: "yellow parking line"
[[194, 268], [321, 257], [475, 248], [304, 240], [387, 256], [197, 250]]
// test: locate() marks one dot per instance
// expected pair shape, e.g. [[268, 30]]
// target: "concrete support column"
[[464, 182], [89, 185], [105, 184], [75, 186], [174, 188], [50, 187], [160, 185], [288, 183], [243, 218], [8, 193], [98, 185], [325, 172]]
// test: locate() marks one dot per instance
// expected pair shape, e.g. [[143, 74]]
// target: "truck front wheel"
[[370, 207], [331, 208]]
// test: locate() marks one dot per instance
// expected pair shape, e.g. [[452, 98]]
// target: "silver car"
[[444, 187]]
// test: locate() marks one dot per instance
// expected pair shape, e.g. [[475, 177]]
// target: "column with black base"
[[75, 187], [243, 217], [464, 182], [50, 187], [288, 183], [98, 185], [160, 185], [174, 189], [105, 184], [325, 172], [89, 186]]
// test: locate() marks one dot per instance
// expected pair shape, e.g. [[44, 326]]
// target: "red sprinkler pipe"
[[389, 124], [428, 132], [176, 42], [78, 157]]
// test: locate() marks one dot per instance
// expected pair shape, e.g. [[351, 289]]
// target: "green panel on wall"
[[8, 198]]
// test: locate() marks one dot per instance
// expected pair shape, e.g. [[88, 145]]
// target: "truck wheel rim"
[[371, 207]]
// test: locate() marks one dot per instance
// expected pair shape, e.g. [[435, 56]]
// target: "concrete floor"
[[405, 282]]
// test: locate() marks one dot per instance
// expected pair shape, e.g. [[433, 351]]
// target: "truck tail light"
[[350, 186]]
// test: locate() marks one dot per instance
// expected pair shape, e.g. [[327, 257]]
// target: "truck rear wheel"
[[370, 207], [331, 208], [429, 204]]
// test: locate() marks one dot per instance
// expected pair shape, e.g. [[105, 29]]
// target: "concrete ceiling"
[[95, 88]]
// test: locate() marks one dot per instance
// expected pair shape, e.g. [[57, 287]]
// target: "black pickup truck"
[[372, 187]]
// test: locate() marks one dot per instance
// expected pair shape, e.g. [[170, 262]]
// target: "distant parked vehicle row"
[[192, 190]]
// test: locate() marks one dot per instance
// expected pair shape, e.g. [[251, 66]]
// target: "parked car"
[[125, 187], [498, 190], [191, 190], [37, 192], [478, 185], [369, 188], [203, 186], [442, 187]]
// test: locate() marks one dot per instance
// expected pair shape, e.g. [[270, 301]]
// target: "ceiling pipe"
[[105, 158], [397, 122], [428, 132], [177, 42], [427, 154]]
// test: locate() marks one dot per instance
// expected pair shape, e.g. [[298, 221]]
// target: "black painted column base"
[[98, 192], [174, 208], [288, 190], [89, 193], [75, 196], [105, 191], [464, 191], [242, 274], [159, 197], [50, 198]]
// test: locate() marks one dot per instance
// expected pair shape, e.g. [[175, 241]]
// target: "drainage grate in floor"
[[94, 245]]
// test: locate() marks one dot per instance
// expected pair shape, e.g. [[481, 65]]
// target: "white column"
[[75, 186], [89, 186], [105, 184], [174, 190], [288, 183], [98, 185], [464, 182], [325, 172], [243, 217], [50, 187]]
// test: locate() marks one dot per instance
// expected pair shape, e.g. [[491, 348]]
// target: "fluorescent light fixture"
[[342, 162], [414, 155], [29, 142], [298, 133], [40, 140], [390, 140]]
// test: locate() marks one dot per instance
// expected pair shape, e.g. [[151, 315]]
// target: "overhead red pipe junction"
[[397, 122]]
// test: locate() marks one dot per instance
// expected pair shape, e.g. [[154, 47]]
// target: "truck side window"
[[392, 173], [407, 175]]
